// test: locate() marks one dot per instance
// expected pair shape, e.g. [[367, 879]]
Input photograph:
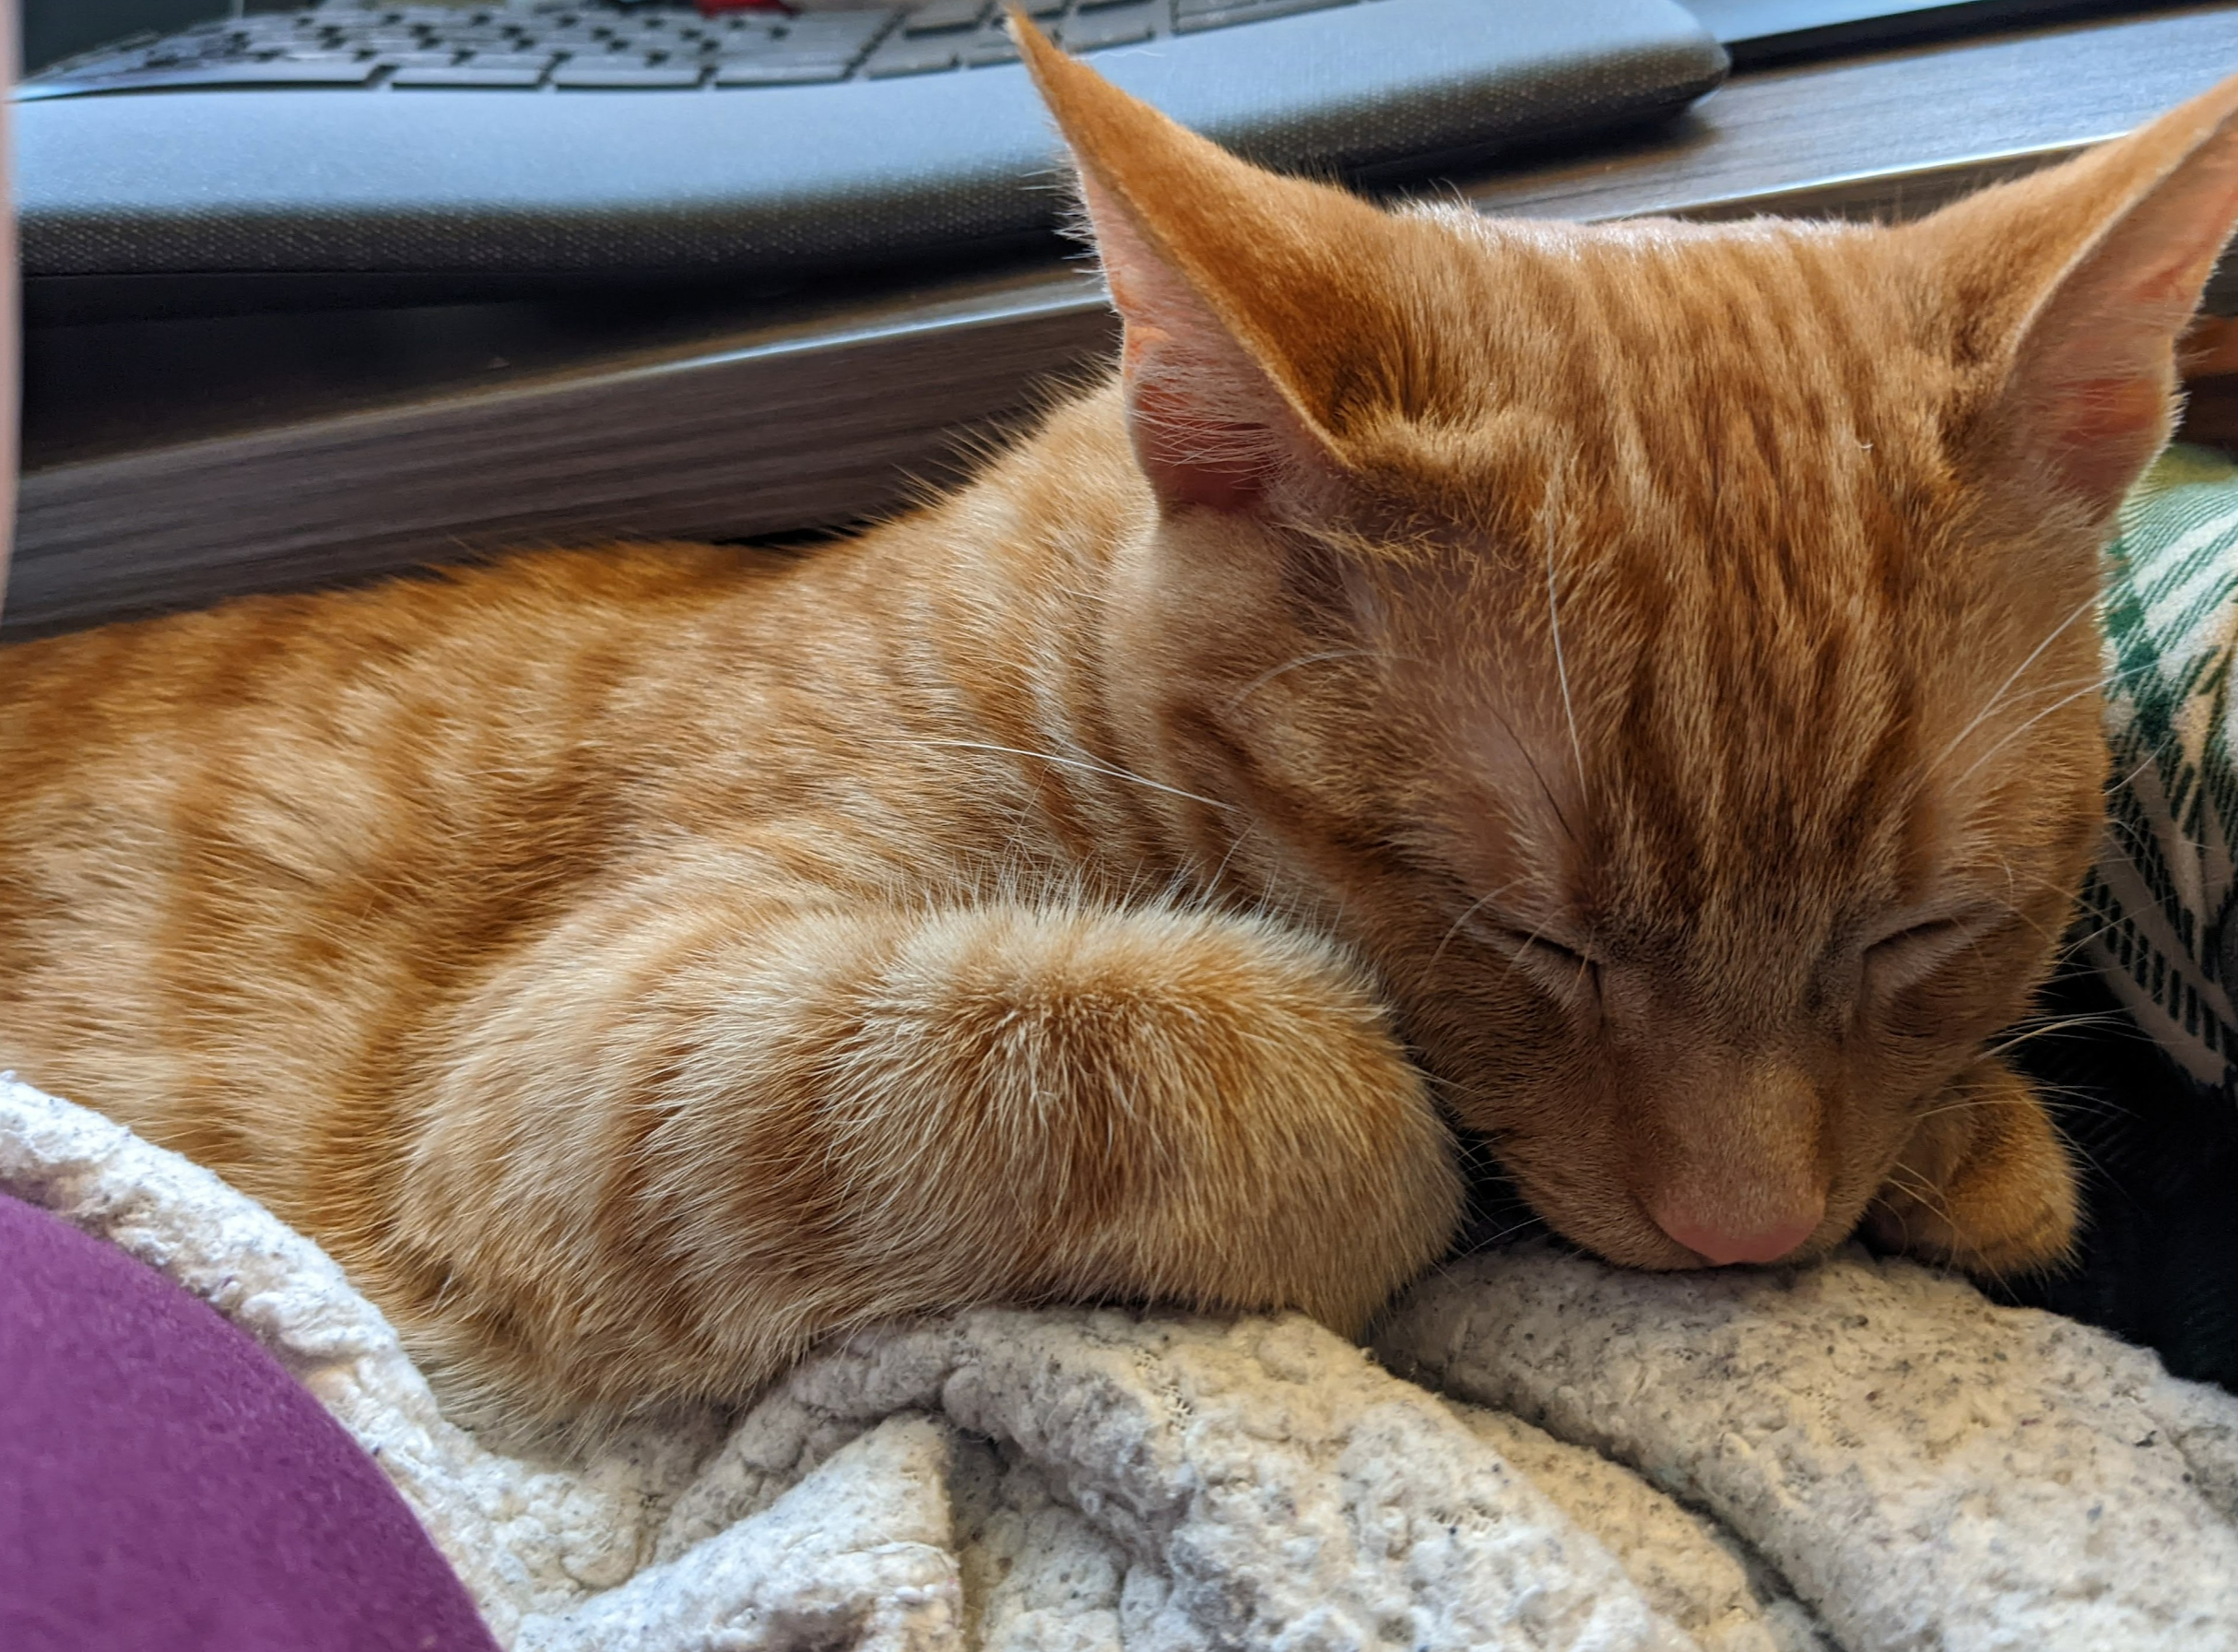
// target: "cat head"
[[1670, 649]]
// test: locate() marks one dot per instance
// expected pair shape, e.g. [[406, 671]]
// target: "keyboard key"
[[837, 30], [416, 60], [1189, 16], [593, 74], [210, 76], [470, 75], [988, 49], [538, 61], [778, 73], [910, 57], [941, 15], [783, 52], [1115, 25]]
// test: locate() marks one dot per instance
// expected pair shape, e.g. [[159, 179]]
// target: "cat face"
[[1700, 833], [1669, 651], [1717, 826]]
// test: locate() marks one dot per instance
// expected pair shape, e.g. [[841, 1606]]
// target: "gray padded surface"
[[630, 182]]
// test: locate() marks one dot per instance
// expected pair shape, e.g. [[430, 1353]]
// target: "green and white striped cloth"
[[2157, 912]]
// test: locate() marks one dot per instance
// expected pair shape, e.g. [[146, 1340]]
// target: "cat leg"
[[681, 1140], [1985, 1183]]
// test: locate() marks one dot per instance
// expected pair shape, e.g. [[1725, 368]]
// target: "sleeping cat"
[[1631, 690]]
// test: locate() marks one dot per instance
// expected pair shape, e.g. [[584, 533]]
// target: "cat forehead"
[[1662, 775], [1710, 257], [1620, 335], [1647, 234]]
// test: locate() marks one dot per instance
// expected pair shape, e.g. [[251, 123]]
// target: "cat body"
[[1629, 691], [407, 911]]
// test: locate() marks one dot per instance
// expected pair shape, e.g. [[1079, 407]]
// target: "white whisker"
[[1088, 765], [1997, 699], [1470, 911], [1260, 682], [1562, 669], [2095, 686]]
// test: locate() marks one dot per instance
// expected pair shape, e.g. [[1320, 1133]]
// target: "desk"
[[171, 463]]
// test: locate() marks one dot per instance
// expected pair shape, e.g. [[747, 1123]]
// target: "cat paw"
[[1985, 1184]]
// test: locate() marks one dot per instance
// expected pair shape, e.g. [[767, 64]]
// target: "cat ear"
[[2089, 273], [1240, 312]]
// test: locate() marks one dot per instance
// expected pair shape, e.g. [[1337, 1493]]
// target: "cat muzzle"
[[1724, 1242]]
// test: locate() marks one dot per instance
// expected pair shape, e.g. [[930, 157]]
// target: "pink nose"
[[1722, 1243]]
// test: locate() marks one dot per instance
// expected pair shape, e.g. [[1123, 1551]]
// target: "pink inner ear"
[[1210, 429], [2097, 365], [1193, 460], [2103, 430]]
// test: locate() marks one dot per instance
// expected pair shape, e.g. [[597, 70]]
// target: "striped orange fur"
[[1629, 690]]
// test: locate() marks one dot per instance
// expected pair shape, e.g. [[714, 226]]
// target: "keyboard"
[[355, 152], [569, 47]]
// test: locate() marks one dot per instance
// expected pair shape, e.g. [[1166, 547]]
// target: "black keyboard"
[[526, 148], [533, 46]]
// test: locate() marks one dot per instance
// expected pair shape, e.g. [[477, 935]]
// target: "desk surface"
[[171, 463]]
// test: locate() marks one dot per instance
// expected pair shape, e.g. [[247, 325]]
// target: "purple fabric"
[[165, 1486]]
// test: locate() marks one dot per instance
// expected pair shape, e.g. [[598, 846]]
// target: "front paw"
[[1985, 1183]]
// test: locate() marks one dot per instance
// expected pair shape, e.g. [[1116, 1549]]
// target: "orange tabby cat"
[[1631, 689]]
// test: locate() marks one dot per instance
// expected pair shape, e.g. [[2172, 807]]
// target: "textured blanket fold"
[[1541, 1452]]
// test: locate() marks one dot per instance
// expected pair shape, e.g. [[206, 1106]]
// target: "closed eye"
[[1919, 950], [1553, 951], [1562, 970]]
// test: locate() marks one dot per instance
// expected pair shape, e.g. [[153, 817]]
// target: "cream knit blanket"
[[1540, 1453]]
